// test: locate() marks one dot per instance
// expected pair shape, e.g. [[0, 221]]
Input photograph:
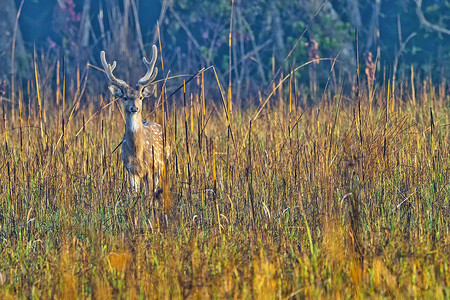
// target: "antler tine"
[[113, 66], [109, 69], [151, 70]]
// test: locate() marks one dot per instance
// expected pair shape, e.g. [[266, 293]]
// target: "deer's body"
[[142, 145], [140, 141]]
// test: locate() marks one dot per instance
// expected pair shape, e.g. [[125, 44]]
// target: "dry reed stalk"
[[58, 83], [250, 176], [230, 35], [5, 126], [20, 122], [13, 51], [413, 90], [187, 142]]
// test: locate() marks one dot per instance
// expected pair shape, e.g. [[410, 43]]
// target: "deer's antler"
[[109, 71], [151, 70]]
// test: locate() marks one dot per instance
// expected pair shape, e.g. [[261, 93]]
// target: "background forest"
[[265, 35]]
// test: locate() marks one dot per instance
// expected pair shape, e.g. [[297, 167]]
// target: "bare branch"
[[426, 23]]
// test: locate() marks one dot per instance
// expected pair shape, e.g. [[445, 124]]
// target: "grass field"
[[349, 198]]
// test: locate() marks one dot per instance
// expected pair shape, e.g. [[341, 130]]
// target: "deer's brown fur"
[[142, 146]]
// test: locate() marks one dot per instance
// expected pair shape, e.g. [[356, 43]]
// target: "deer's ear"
[[148, 90], [116, 91]]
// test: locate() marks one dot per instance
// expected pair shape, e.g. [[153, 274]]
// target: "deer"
[[142, 144]]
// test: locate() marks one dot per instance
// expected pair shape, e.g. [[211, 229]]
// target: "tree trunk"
[[353, 14], [346, 51], [278, 33], [372, 34], [85, 24]]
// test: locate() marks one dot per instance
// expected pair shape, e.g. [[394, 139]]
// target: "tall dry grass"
[[324, 201]]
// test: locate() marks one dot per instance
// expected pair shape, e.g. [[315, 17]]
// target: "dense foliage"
[[195, 34]]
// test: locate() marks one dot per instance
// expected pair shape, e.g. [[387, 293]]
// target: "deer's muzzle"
[[134, 109]]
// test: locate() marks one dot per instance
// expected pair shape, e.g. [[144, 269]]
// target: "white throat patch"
[[133, 124]]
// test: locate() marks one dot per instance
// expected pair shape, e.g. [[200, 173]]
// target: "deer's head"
[[132, 97]]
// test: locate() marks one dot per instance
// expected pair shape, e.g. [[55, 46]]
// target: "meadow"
[[346, 198]]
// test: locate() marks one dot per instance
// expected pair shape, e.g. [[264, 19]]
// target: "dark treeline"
[[267, 36]]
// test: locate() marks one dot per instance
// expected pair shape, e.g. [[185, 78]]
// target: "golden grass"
[[324, 203]]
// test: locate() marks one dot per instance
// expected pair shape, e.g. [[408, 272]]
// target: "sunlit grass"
[[316, 202]]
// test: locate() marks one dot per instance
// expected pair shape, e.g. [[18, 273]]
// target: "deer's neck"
[[134, 131], [133, 123]]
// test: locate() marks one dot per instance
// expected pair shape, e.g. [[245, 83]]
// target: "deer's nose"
[[134, 109]]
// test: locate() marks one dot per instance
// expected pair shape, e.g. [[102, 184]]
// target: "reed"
[[348, 198], [340, 204]]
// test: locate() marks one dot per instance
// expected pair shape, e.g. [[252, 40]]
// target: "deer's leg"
[[147, 181], [134, 181], [156, 176], [137, 182]]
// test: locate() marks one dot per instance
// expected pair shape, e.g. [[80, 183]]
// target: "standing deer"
[[142, 145]]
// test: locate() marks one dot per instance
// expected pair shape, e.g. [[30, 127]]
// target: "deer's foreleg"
[[148, 184], [156, 181], [134, 181]]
